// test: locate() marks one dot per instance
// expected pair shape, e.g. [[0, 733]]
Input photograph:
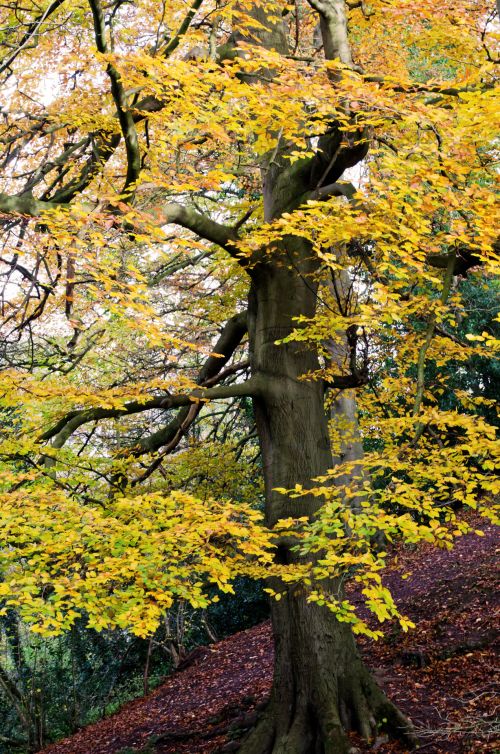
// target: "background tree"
[[164, 169]]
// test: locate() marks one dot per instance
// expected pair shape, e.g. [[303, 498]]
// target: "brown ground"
[[442, 674]]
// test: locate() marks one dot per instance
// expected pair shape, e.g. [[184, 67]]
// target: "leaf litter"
[[441, 674]]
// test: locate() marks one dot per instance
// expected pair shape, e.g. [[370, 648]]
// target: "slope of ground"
[[442, 674]]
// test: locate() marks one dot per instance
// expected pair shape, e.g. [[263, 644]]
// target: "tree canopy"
[[220, 224]]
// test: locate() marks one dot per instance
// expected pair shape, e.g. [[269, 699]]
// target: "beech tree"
[[181, 235]]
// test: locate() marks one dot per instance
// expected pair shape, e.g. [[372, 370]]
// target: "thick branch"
[[465, 259], [336, 189], [414, 87], [76, 419], [227, 343], [333, 22], [348, 381], [174, 41], [25, 204], [340, 188], [168, 436], [222, 235], [231, 336], [204, 227]]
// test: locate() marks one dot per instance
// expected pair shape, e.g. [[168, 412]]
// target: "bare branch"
[[31, 33], [125, 116]]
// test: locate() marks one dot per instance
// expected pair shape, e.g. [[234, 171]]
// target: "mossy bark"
[[321, 690]]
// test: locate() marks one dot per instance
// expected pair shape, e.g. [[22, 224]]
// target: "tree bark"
[[321, 687]]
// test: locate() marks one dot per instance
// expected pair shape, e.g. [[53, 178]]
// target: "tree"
[[156, 156]]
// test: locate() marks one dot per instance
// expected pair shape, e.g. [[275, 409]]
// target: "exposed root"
[[397, 725], [304, 736], [322, 689], [312, 729], [261, 738]]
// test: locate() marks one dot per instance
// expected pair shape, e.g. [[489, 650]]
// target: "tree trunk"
[[321, 687]]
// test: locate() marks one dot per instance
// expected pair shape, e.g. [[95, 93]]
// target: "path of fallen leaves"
[[440, 674]]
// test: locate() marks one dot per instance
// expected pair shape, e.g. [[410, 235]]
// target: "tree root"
[[312, 729]]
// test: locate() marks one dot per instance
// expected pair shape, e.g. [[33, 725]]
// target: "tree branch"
[[204, 227], [174, 41], [222, 235], [125, 117], [32, 32], [414, 87], [25, 204], [227, 343], [335, 189], [74, 420], [168, 436], [333, 23]]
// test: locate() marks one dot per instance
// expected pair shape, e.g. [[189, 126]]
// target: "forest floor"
[[441, 674]]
